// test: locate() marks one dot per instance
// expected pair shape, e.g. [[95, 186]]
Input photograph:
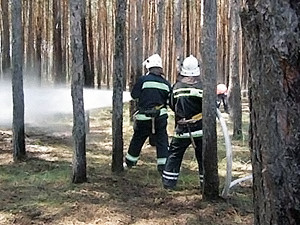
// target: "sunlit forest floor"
[[39, 190]]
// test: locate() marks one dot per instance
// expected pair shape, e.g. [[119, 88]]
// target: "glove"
[[179, 130]]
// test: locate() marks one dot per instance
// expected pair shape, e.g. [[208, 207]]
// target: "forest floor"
[[39, 190]]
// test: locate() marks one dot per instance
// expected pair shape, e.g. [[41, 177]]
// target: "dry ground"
[[39, 191]]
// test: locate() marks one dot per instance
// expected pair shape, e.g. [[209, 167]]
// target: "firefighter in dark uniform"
[[222, 97], [152, 94], [186, 102]]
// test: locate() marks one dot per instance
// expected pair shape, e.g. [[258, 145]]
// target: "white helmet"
[[190, 67], [153, 61]]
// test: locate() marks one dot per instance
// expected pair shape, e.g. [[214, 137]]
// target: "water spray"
[[41, 103]]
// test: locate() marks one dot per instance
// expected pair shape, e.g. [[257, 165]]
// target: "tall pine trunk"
[[160, 22], [59, 77], [178, 34], [79, 133], [19, 151], [5, 39], [234, 97], [91, 45], [209, 54], [119, 72], [272, 37], [88, 75]]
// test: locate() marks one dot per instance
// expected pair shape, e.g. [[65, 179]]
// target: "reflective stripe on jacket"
[[186, 102], [150, 91]]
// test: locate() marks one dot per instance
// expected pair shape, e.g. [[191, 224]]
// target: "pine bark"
[[234, 98], [38, 44], [160, 22], [79, 132], [139, 40], [209, 54], [272, 37], [91, 44], [59, 77], [133, 61], [88, 75], [178, 34], [18, 139], [5, 40], [119, 72]]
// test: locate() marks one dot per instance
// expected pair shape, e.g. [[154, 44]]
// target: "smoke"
[[41, 103]]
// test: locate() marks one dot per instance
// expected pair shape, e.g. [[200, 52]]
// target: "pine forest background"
[[170, 28], [264, 49]]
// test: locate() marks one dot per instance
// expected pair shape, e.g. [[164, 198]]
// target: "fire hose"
[[228, 183], [228, 179]]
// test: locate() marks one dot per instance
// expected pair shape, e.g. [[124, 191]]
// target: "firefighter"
[[222, 96], [186, 102], [152, 94]]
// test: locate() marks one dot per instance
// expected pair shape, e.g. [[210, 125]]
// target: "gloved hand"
[[179, 129]]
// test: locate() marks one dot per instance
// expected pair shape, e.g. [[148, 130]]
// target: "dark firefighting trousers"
[[177, 149], [222, 98], [142, 130]]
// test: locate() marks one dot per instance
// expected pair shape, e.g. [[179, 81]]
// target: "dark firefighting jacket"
[[152, 92], [186, 102]]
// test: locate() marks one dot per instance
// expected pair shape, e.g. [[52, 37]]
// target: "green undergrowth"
[[40, 191]]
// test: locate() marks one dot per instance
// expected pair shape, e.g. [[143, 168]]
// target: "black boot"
[[160, 169]]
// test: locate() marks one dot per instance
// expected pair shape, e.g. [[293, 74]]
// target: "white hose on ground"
[[228, 183], [240, 180], [228, 154]]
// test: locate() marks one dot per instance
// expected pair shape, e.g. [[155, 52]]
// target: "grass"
[[39, 191]]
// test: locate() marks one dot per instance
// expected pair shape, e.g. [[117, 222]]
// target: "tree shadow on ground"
[[39, 190]]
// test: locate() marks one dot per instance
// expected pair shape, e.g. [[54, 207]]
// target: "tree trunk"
[[272, 37], [29, 38], [107, 43], [160, 22], [170, 29], [65, 40], [146, 25], [5, 39], [79, 133], [88, 76], [59, 77], [91, 45], [38, 44], [133, 75], [221, 43], [19, 151], [209, 54], [119, 72], [139, 40], [137, 53], [178, 34], [47, 24], [234, 96], [101, 43]]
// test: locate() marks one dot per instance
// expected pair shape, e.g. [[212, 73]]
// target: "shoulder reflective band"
[[188, 92], [138, 116], [157, 85], [197, 133]]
